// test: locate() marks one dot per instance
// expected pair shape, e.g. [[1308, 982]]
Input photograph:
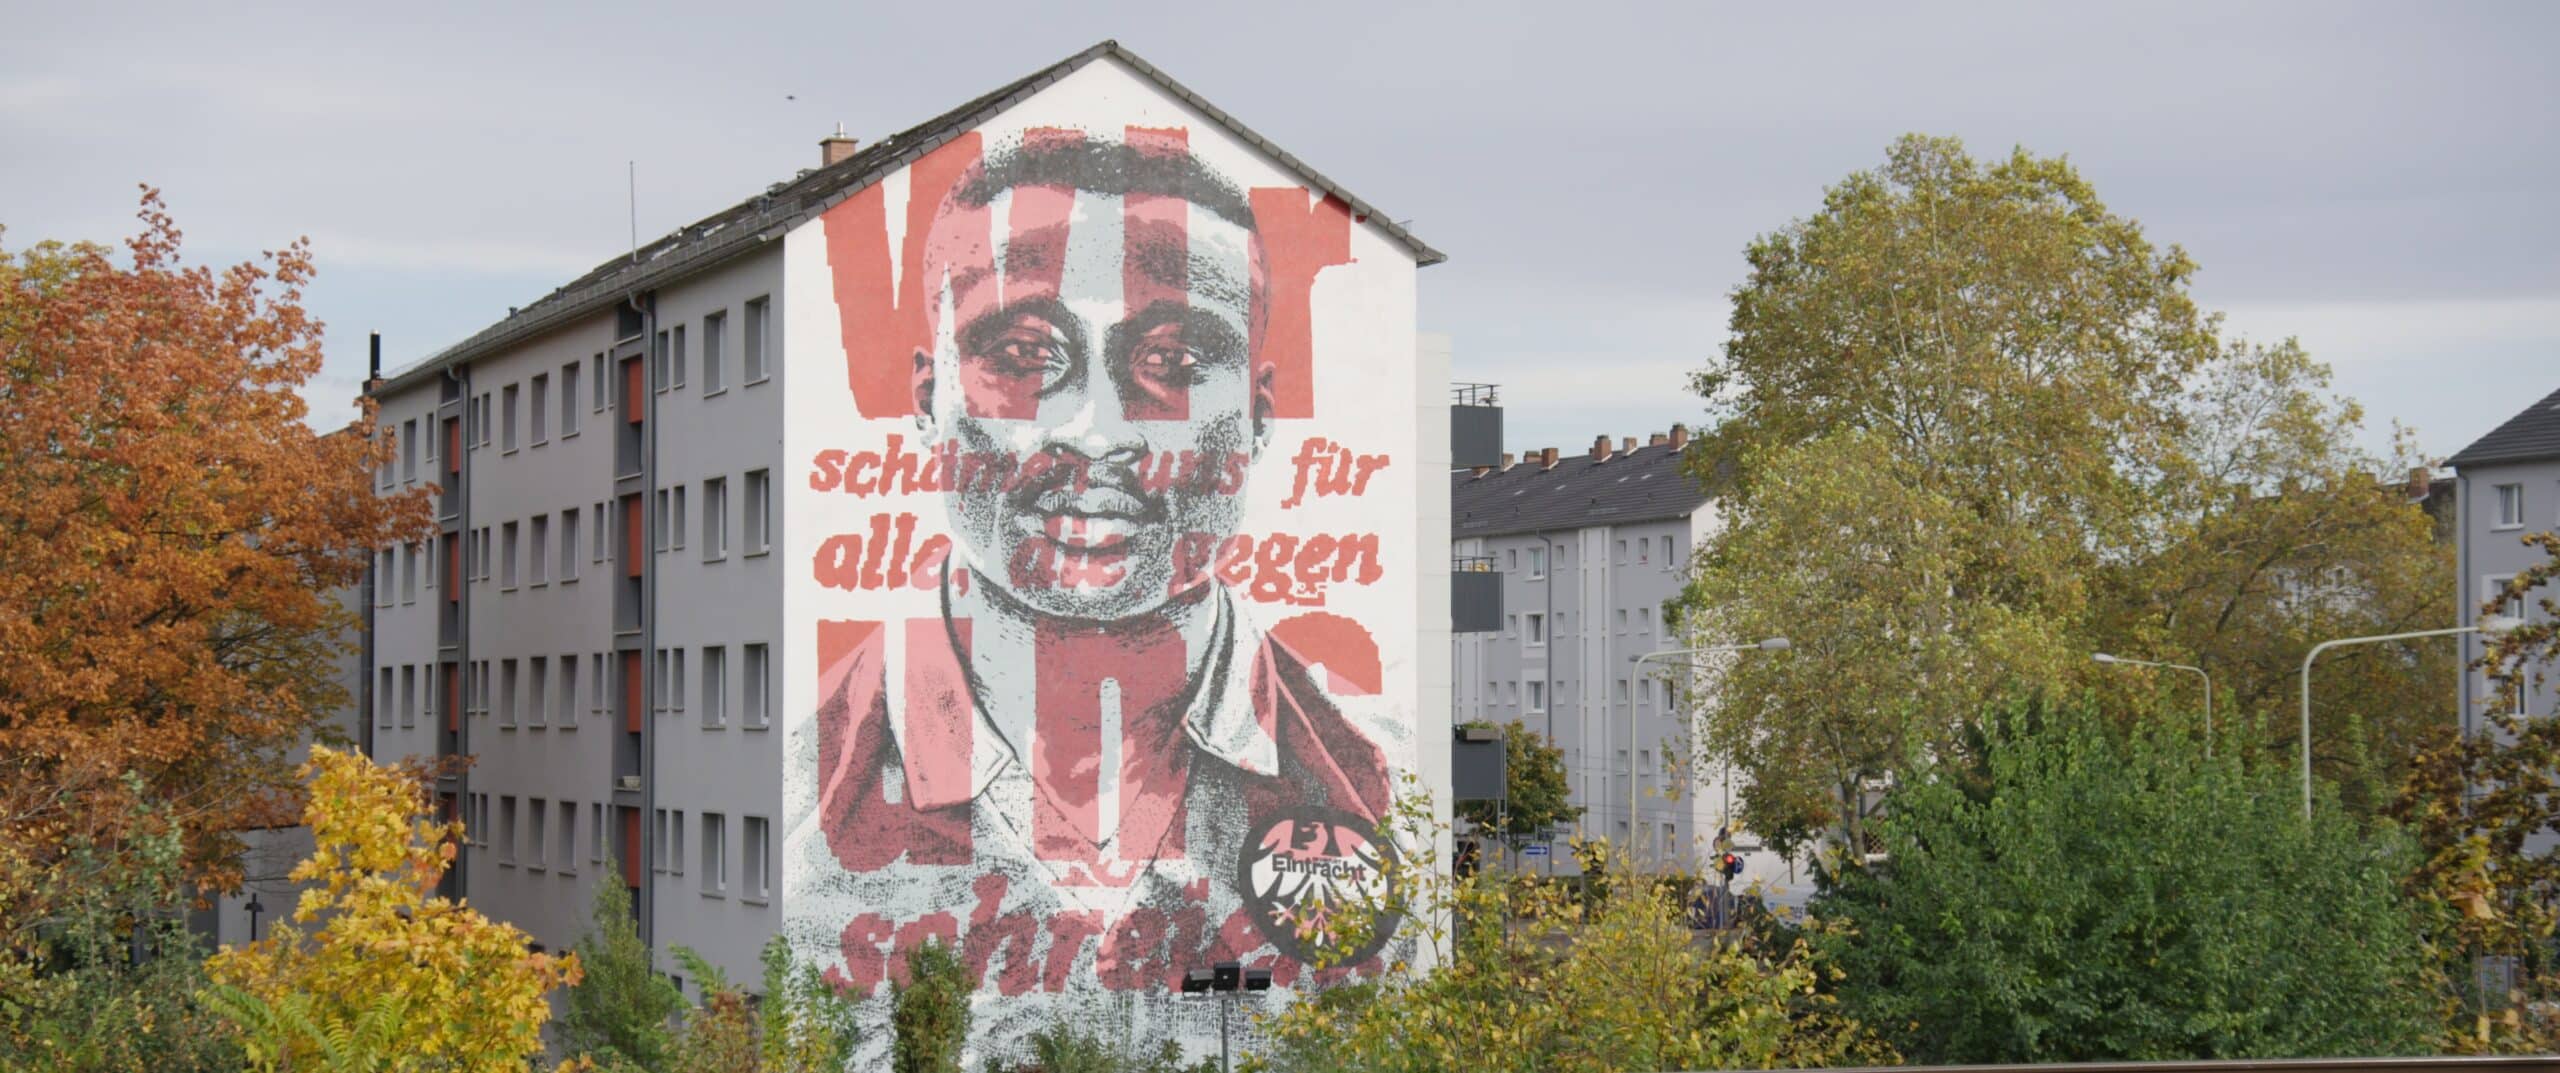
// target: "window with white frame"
[[756, 669], [715, 854], [676, 360], [715, 519], [1537, 629], [715, 686], [2510, 506], [570, 414], [752, 353], [715, 378], [1537, 696], [759, 511], [600, 384], [755, 871], [409, 451], [540, 414], [507, 418]]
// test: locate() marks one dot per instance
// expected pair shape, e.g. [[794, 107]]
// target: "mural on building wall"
[[1112, 554]]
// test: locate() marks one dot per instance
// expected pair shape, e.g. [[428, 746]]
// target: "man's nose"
[[1092, 420]]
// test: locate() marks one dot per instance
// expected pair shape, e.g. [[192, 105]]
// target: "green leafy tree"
[[808, 1025], [1066, 1049], [2483, 807], [2067, 893], [620, 1013], [1969, 427], [1534, 780], [929, 1011], [72, 998]]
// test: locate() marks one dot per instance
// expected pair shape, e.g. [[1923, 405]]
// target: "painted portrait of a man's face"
[[1094, 320]]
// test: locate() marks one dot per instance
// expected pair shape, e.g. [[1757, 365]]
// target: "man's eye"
[[1024, 355], [1172, 363]]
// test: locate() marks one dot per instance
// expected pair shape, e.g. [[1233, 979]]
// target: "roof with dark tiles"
[[2530, 436], [1647, 485], [750, 224]]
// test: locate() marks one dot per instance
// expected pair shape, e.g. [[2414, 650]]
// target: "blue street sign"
[[1534, 849]]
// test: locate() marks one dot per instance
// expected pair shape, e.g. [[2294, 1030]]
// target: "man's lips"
[[1090, 521]]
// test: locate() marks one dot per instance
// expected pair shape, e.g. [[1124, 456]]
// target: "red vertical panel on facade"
[[631, 848], [452, 698], [634, 529], [452, 570], [452, 445], [632, 698], [635, 391]]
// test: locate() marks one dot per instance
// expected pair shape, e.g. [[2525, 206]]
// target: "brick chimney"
[[1657, 439], [1627, 446], [836, 148], [1506, 462], [1679, 437], [1600, 448], [2420, 477], [1547, 458], [1479, 471]]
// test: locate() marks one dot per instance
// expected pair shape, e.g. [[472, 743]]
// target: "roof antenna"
[[633, 167]]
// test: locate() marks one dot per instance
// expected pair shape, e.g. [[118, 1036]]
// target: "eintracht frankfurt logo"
[[1315, 880]]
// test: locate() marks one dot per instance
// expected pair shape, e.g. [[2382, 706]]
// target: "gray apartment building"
[[733, 533], [2506, 485], [1589, 549]]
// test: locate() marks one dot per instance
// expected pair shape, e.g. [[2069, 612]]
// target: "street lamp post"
[[2490, 626], [1773, 644], [2200, 673]]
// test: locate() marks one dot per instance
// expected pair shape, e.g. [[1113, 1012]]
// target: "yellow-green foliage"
[[369, 944], [1532, 977]]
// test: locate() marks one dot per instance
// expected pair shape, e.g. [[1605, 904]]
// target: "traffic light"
[[1730, 865]]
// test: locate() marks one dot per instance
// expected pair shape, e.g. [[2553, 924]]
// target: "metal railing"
[[1474, 394]]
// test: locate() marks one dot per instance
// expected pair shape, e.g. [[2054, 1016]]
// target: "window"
[[506, 692], [568, 853], [537, 700], [569, 412], [427, 696], [1538, 562], [384, 572], [507, 419], [758, 670], [755, 871], [1622, 553], [427, 447], [715, 856], [409, 572], [675, 847], [1644, 761], [675, 528], [569, 545], [759, 522], [409, 450], [537, 813], [603, 385], [603, 532], [507, 564], [2510, 506], [676, 361], [484, 419], [715, 519], [1537, 696], [658, 522], [715, 685], [599, 690], [752, 353], [595, 849], [658, 694], [1511, 559], [1644, 620], [1537, 629], [382, 708], [714, 378], [675, 682], [1644, 550], [568, 710], [409, 695], [1622, 620], [541, 548], [1644, 691], [1622, 691], [427, 568], [507, 829], [541, 412], [658, 363], [658, 842]]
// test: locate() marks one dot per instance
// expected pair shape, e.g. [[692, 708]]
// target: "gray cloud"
[[1594, 170]]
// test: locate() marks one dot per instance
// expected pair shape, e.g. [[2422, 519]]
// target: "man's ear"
[[1266, 402], [920, 381]]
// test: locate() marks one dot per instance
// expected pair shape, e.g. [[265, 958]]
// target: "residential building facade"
[[1591, 549], [1025, 531], [2506, 486]]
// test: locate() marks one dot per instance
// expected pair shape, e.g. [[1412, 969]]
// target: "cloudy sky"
[[2378, 180]]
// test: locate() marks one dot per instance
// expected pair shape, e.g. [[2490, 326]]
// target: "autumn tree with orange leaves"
[[172, 533]]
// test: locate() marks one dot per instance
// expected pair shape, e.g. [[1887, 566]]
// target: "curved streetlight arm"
[[2197, 671], [2306, 689]]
